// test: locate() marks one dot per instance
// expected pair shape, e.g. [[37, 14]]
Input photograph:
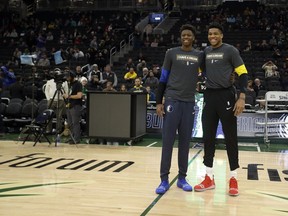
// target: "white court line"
[[251, 145], [151, 144]]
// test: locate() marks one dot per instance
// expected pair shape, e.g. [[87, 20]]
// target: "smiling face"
[[187, 38], [215, 37]]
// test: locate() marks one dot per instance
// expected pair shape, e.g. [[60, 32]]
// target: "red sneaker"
[[233, 187], [206, 184]]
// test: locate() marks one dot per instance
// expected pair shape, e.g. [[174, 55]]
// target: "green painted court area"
[[151, 141]]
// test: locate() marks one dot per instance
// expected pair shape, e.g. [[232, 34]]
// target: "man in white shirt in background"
[[55, 88]]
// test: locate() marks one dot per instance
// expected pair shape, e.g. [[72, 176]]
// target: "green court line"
[[171, 183]]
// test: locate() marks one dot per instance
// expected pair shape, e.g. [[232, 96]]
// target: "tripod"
[[59, 91]]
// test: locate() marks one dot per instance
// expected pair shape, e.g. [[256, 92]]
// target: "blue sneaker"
[[182, 183], [163, 187]]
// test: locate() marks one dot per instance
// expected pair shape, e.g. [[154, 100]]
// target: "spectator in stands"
[[250, 89], [140, 66], [258, 86], [137, 86], [13, 34], [109, 75], [264, 45], [129, 64], [8, 76], [156, 71], [78, 73], [123, 88], [78, 54], [94, 84], [16, 89], [84, 82], [49, 36], [43, 61], [269, 67], [248, 46], [95, 70], [145, 74], [151, 80], [131, 75], [17, 53], [40, 42], [109, 87], [151, 97], [94, 43], [147, 31]]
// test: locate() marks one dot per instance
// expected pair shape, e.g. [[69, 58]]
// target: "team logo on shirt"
[[187, 58], [169, 108], [214, 57]]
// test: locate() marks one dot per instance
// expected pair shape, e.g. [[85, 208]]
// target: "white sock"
[[209, 172], [233, 173]]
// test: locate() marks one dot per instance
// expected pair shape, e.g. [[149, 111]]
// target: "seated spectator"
[[16, 89], [250, 89], [258, 86], [156, 71], [145, 74], [94, 84], [84, 82], [268, 68], [140, 66], [8, 76], [109, 87], [129, 64], [43, 61], [109, 76], [151, 97], [78, 54], [152, 80], [138, 87], [95, 70], [248, 46], [49, 36], [123, 88], [78, 73], [131, 75]]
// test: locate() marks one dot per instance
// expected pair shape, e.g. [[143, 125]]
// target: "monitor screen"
[[156, 17]]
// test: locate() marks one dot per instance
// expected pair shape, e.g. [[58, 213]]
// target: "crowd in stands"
[[84, 40]]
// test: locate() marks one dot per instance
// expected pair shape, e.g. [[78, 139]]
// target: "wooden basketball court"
[[110, 180]]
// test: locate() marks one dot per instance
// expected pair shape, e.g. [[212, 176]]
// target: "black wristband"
[[160, 92]]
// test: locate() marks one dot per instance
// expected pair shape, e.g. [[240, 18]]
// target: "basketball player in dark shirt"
[[221, 103], [177, 84]]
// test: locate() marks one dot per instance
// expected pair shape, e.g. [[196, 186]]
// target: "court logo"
[[169, 108], [252, 173], [36, 161], [19, 188]]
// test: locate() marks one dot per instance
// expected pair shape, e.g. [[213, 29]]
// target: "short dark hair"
[[188, 27], [216, 25]]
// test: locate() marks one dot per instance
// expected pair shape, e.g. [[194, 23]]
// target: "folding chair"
[[39, 125]]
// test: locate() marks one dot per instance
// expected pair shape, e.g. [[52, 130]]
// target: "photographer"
[[54, 88], [74, 106]]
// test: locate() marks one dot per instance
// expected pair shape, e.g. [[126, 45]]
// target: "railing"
[[113, 52], [123, 46]]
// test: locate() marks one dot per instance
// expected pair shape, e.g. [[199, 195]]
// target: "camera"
[[58, 75]]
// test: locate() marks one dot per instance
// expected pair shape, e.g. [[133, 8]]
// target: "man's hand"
[[65, 96], [160, 110], [239, 106]]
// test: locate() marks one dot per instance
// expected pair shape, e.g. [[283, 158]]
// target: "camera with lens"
[[58, 76]]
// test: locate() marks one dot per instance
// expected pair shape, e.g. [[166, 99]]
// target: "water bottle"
[[58, 139]]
